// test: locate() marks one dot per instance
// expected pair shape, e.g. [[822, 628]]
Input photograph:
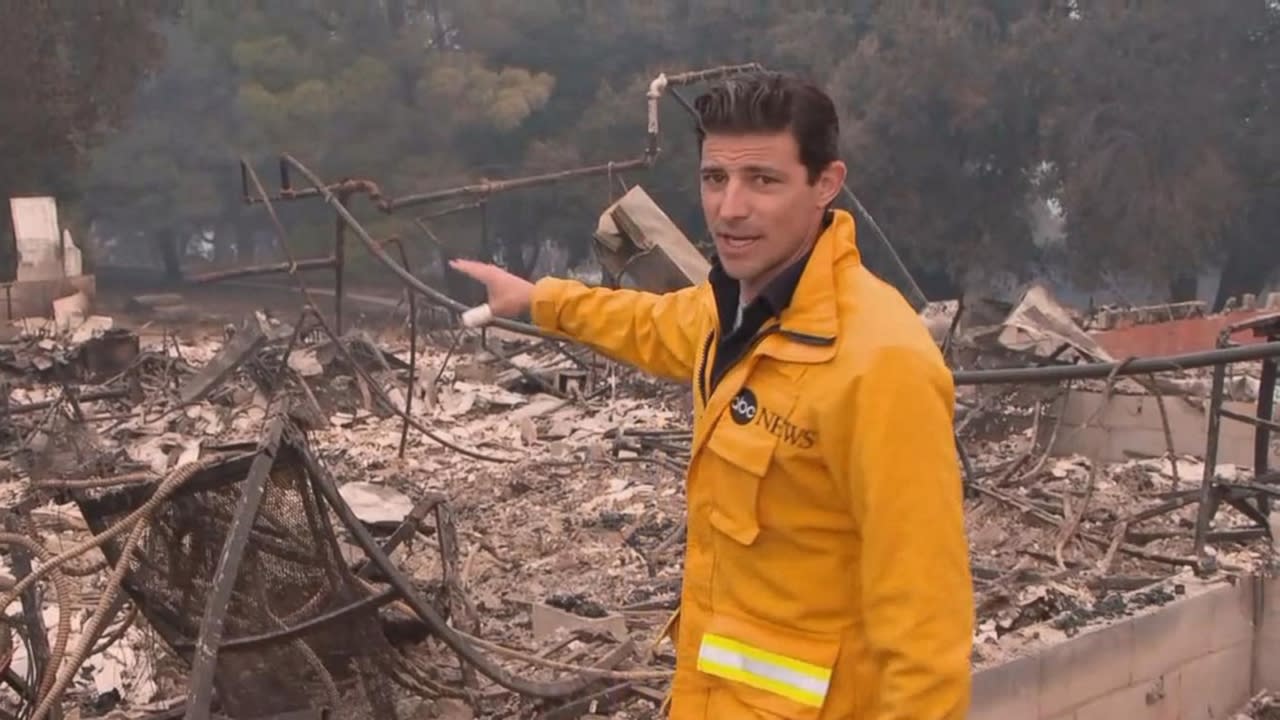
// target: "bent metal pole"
[[1136, 366]]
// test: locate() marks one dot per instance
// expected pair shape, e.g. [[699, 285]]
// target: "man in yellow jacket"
[[826, 575]]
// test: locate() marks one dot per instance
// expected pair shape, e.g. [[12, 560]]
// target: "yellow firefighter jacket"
[[826, 574]]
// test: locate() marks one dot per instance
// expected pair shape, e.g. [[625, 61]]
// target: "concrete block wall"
[[1130, 425], [1199, 658], [34, 298]]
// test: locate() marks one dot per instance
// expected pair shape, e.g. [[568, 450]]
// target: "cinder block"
[[1085, 668], [1216, 685], [1269, 612], [1266, 665], [1266, 671], [1173, 635], [1232, 614], [1010, 690], [1148, 700]]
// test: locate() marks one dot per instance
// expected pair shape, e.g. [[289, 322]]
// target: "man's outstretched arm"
[[651, 331], [904, 490]]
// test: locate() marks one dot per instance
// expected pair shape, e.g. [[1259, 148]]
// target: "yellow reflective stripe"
[[731, 659]]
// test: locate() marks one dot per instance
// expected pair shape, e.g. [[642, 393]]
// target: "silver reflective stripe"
[[800, 681]]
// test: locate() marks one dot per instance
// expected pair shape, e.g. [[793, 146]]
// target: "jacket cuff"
[[543, 309]]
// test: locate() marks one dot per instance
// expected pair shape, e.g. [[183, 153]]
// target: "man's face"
[[759, 204]]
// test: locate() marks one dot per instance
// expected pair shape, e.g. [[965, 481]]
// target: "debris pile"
[[1264, 706], [490, 523], [577, 503], [534, 500]]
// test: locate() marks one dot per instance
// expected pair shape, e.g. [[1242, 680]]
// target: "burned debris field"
[[410, 519], [256, 463]]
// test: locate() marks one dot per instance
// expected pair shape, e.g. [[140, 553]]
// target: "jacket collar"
[[803, 296], [812, 312], [808, 324]]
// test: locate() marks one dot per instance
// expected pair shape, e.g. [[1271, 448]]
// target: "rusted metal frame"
[[1187, 498], [1249, 511], [333, 337], [204, 660], [381, 255], [652, 148], [337, 261], [1262, 434], [32, 612], [305, 714], [250, 642], [594, 703], [267, 269], [288, 192], [413, 346], [524, 372], [1267, 327], [90, 396], [18, 685], [460, 609], [1257, 422], [407, 529], [326, 488], [1100, 371], [340, 258], [583, 364], [484, 190], [1211, 495], [478, 191]]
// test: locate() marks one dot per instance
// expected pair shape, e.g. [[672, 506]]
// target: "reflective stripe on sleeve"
[[797, 680]]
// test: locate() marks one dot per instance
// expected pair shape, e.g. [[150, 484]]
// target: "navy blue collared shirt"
[[736, 336]]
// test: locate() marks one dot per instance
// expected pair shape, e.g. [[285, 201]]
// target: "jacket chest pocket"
[[744, 450]]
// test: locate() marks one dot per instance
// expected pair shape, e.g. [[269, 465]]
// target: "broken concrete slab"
[[938, 317], [376, 504], [34, 298], [548, 620], [37, 237], [1040, 325], [70, 312], [638, 240], [251, 336], [150, 302]]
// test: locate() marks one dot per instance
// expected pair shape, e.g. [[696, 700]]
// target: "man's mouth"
[[736, 240]]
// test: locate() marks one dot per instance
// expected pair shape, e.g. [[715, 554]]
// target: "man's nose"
[[734, 203]]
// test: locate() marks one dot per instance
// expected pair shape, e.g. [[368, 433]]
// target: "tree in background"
[[942, 109], [65, 78], [1151, 125]]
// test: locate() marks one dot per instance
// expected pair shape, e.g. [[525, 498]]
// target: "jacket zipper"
[[702, 367], [804, 338]]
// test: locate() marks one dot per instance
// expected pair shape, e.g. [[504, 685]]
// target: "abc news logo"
[[746, 410]]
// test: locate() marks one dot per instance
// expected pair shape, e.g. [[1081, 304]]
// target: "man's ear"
[[830, 181]]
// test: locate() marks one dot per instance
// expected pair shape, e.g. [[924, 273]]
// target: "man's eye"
[[712, 178], [765, 180]]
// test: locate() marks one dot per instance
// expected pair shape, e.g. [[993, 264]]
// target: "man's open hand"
[[509, 295]]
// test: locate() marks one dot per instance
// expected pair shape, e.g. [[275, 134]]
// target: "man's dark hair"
[[773, 102]]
